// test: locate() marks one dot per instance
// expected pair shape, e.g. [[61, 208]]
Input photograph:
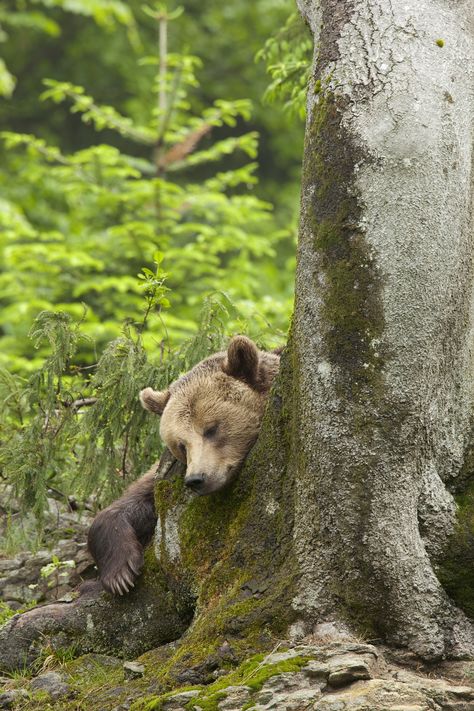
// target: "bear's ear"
[[154, 400], [242, 360]]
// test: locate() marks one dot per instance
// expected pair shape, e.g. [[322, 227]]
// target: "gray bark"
[[383, 325]]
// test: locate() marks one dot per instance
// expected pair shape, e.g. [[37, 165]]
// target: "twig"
[[81, 402], [262, 663], [163, 49]]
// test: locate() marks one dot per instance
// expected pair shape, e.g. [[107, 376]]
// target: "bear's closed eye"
[[211, 431]]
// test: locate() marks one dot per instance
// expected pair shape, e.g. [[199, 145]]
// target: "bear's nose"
[[195, 481]]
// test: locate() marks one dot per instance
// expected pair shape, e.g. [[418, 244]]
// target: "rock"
[[286, 680], [66, 532], [316, 670], [331, 631], [298, 700], [341, 676], [8, 698], [13, 604], [21, 580], [346, 668], [278, 657], [51, 682], [236, 697], [179, 701], [10, 564], [133, 670], [379, 694]]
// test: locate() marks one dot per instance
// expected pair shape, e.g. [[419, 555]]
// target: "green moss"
[[156, 703], [41, 698], [252, 673], [456, 570], [207, 703], [349, 283]]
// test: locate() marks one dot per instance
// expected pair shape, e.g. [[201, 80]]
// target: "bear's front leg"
[[120, 532]]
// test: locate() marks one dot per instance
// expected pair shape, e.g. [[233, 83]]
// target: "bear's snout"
[[195, 482]]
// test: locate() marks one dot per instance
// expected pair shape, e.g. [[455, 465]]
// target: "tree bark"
[[383, 328]]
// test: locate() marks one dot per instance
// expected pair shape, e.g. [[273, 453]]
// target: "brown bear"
[[210, 418]]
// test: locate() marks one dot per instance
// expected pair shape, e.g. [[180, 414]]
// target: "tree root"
[[93, 621]]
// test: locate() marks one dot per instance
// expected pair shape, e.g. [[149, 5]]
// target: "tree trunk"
[[382, 334]]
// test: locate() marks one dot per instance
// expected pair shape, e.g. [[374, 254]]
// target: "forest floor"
[[328, 673], [337, 676]]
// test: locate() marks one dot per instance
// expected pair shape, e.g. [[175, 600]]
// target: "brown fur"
[[210, 419], [120, 532]]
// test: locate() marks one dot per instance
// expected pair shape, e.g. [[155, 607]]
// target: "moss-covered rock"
[[252, 673], [95, 621], [456, 570]]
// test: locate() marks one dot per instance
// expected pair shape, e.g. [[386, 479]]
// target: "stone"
[[236, 698], [328, 631], [51, 682], [347, 668], [375, 694], [316, 670], [8, 698], [343, 671], [179, 701], [11, 564], [278, 657], [133, 670], [283, 681], [300, 699]]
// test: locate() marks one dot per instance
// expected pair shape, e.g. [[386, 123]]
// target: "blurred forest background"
[[149, 190]]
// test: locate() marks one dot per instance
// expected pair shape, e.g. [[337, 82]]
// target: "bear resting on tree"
[[210, 418]]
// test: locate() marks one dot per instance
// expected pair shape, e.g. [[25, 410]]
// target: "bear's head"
[[210, 417]]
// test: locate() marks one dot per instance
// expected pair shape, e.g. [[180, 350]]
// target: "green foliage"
[[55, 567], [288, 55], [105, 13], [6, 613], [79, 226], [121, 214]]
